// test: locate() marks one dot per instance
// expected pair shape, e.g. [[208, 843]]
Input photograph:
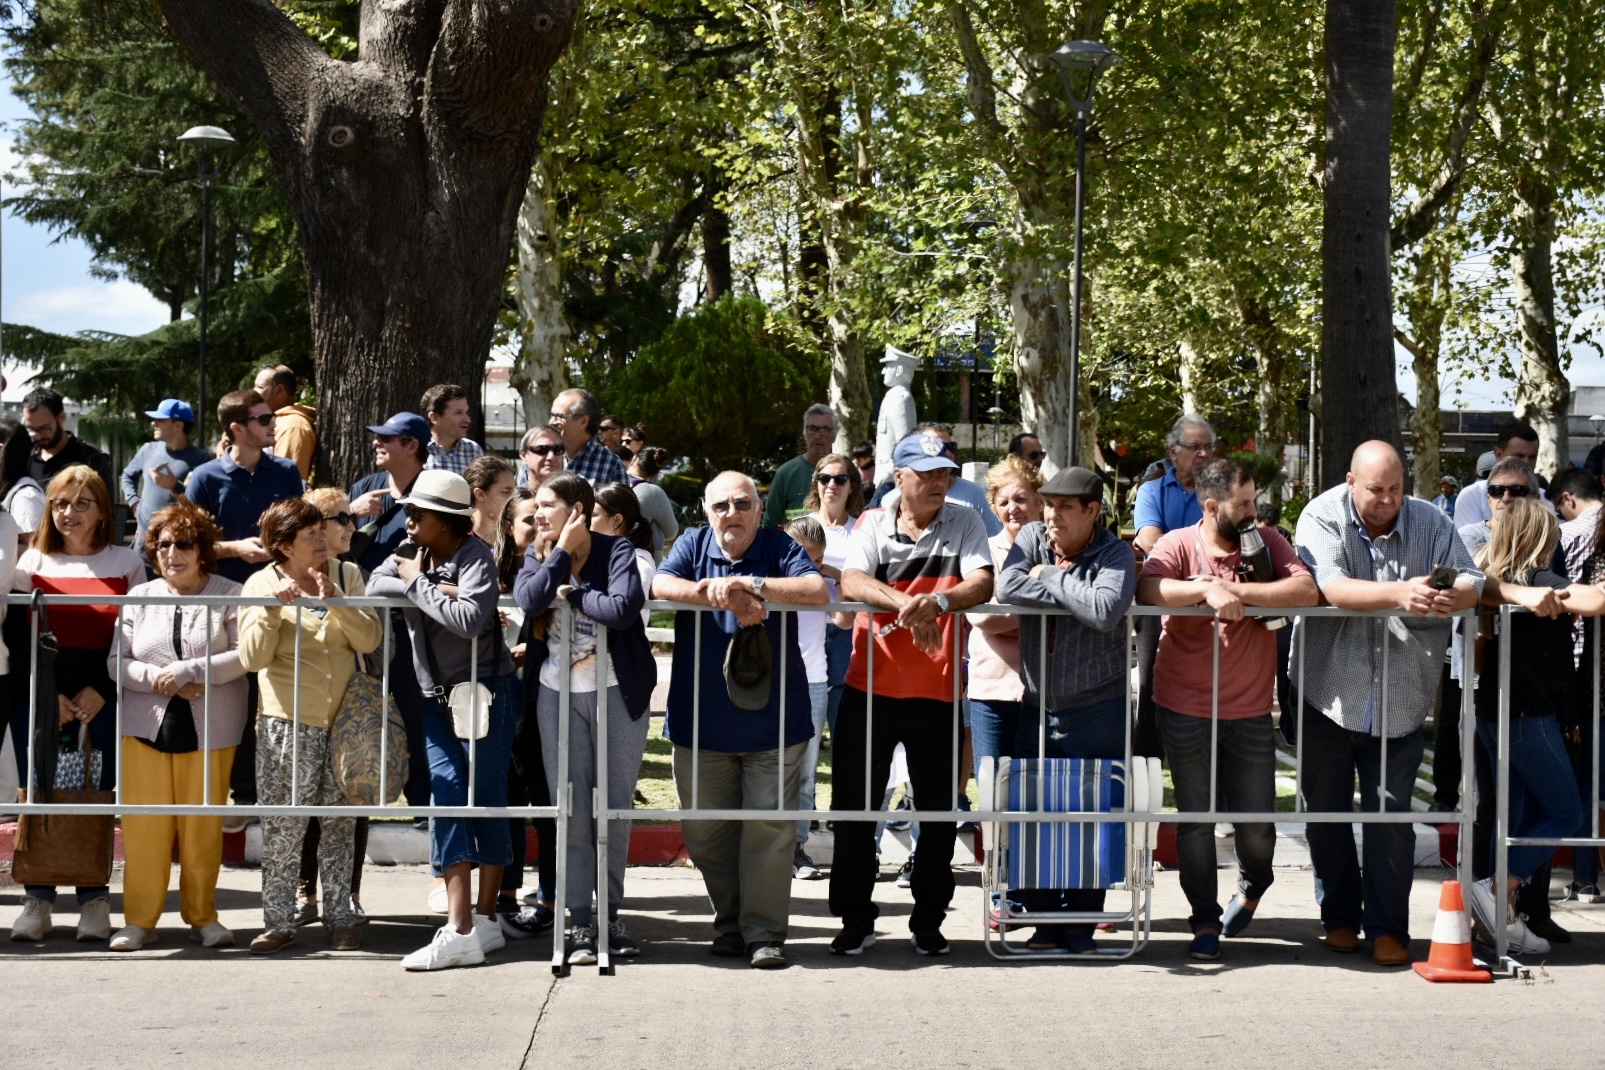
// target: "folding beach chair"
[[1052, 855]]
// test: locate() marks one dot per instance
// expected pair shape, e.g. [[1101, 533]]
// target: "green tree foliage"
[[717, 387]]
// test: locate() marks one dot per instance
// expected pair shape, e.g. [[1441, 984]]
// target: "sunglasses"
[[630, 438], [186, 545], [607, 427], [263, 418], [740, 505], [343, 519], [413, 513], [825, 479], [1036, 455], [1515, 490], [546, 449]]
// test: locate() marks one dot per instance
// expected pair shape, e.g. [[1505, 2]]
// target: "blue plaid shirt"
[[457, 459], [596, 464]]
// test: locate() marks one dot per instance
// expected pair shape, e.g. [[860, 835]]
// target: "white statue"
[[897, 407]]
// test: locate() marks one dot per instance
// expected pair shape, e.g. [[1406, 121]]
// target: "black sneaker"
[[582, 946], [728, 946], [905, 876], [802, 867], [852, 940], [619, 942], [931, 942], [520, 923]]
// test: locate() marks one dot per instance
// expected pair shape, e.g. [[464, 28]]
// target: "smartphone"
[[164, 468], [1443, 577]]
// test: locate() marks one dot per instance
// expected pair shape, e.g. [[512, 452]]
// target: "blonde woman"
[[995, 689], [1544, 800]]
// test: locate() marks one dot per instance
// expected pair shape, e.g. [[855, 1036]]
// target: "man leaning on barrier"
[[1071, 562], [730, 752], [1368, 685], [1216, 714], [916, 562]]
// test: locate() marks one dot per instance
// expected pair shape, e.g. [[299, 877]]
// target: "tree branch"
[[1410, 344], [980, 92]]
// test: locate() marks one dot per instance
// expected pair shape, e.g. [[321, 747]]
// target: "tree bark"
[[541, 371], [1190, 370], [404, 169], [1543, 393], [1270, 396], [1359, 394], [1426, 302], [716, 241]]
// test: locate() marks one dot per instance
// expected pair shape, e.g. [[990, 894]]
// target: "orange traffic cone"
[[1450, 958]]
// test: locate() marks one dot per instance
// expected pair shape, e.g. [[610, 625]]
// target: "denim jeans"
[[1377, 899], [1095, 731], [993, 727], [471, 839], [1544, 801], [819, 703], [1245, 780]]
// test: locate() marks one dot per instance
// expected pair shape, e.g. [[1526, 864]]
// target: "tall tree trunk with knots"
[[405, 170]]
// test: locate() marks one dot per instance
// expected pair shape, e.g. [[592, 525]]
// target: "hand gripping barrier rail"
[[1137, 809]]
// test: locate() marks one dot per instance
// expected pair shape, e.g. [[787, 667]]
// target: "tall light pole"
[[1091, 57], [205, 140]]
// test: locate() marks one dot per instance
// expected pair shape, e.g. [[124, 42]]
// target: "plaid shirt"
[[457, 459], [1343, 674], [596, 464]]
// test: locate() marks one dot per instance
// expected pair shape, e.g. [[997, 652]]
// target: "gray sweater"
[[449, 624], [1086, 660]]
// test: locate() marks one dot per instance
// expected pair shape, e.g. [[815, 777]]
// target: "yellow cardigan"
[[329, 645]]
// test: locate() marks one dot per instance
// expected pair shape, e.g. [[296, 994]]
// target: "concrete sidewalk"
[[1276, 998]]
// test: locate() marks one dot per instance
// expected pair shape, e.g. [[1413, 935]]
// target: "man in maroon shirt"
[[1203, 565]]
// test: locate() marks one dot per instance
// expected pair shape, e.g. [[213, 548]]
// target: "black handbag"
[[176, 733]]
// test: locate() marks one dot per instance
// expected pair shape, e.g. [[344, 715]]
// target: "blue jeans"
[[1544, 801], [1377, 899], [1245, 779], [1095, 731], [818, 702], [471, 839], [993, 727]]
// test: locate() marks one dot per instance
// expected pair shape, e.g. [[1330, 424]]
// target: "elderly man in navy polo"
[[1163, 505], [735, 565]]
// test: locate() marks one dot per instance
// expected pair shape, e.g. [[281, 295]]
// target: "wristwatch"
[[757, 585], [942, 603]]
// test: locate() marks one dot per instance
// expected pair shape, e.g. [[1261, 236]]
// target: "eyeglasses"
[[825, 479], [263, 418], [343, 519], [815, 429], [546, 449], [1036, 455], [1515, 490], [740, 505], [165, 545], [559, 417], [1196, 447], [77, 505]]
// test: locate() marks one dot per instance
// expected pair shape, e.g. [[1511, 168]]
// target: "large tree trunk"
[[1039, 298], [405, 171], [1270, 358], [541, 371], [716, 241], [1426, 302], [1359, 395], [1543, 393], [1190, 370]]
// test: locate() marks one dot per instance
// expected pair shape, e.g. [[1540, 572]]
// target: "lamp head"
[[1084, 56], [207, 138]]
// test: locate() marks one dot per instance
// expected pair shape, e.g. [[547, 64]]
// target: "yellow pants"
[[151, 777]]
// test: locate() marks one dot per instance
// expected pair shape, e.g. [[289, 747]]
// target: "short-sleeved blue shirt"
[[237, 498], [726, 727], [1165, 504], [394, 528]]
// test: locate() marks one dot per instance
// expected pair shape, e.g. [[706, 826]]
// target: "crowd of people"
[[243, 700]]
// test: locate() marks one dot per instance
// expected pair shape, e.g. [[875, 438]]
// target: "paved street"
[[1277, 997]]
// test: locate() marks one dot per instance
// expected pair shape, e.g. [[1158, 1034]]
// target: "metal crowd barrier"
[[561, 808]]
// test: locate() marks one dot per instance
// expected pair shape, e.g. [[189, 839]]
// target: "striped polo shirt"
[[952, 547]]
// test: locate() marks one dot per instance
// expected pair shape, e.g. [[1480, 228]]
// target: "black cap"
[[1074, 483]]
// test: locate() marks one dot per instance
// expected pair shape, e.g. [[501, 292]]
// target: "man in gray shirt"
[[1369, 683]]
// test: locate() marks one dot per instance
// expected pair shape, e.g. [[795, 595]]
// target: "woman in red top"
[[72, 553]]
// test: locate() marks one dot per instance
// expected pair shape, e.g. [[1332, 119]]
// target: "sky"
[[45, 282]]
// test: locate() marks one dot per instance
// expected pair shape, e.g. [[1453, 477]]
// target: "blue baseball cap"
[[409, 424], [922, 453], [172, 409]]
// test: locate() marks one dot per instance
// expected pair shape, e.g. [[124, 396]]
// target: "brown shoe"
[[344, 938], [1389, 951], [271, 942], [1346, 941]]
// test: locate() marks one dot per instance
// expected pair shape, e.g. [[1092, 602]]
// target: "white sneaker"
[[34, 924], [448, 948], [437, 900], [212, 934], [1521, 940], [132, 938], [489, 931], [94, 920]]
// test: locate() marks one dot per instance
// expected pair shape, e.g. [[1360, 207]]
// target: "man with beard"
[[1224, 720]]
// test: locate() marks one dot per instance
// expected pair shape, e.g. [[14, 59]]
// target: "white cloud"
[[119, 306]]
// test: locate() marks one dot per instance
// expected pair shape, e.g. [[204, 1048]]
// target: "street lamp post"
[[205, 140], [1091, 57]]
